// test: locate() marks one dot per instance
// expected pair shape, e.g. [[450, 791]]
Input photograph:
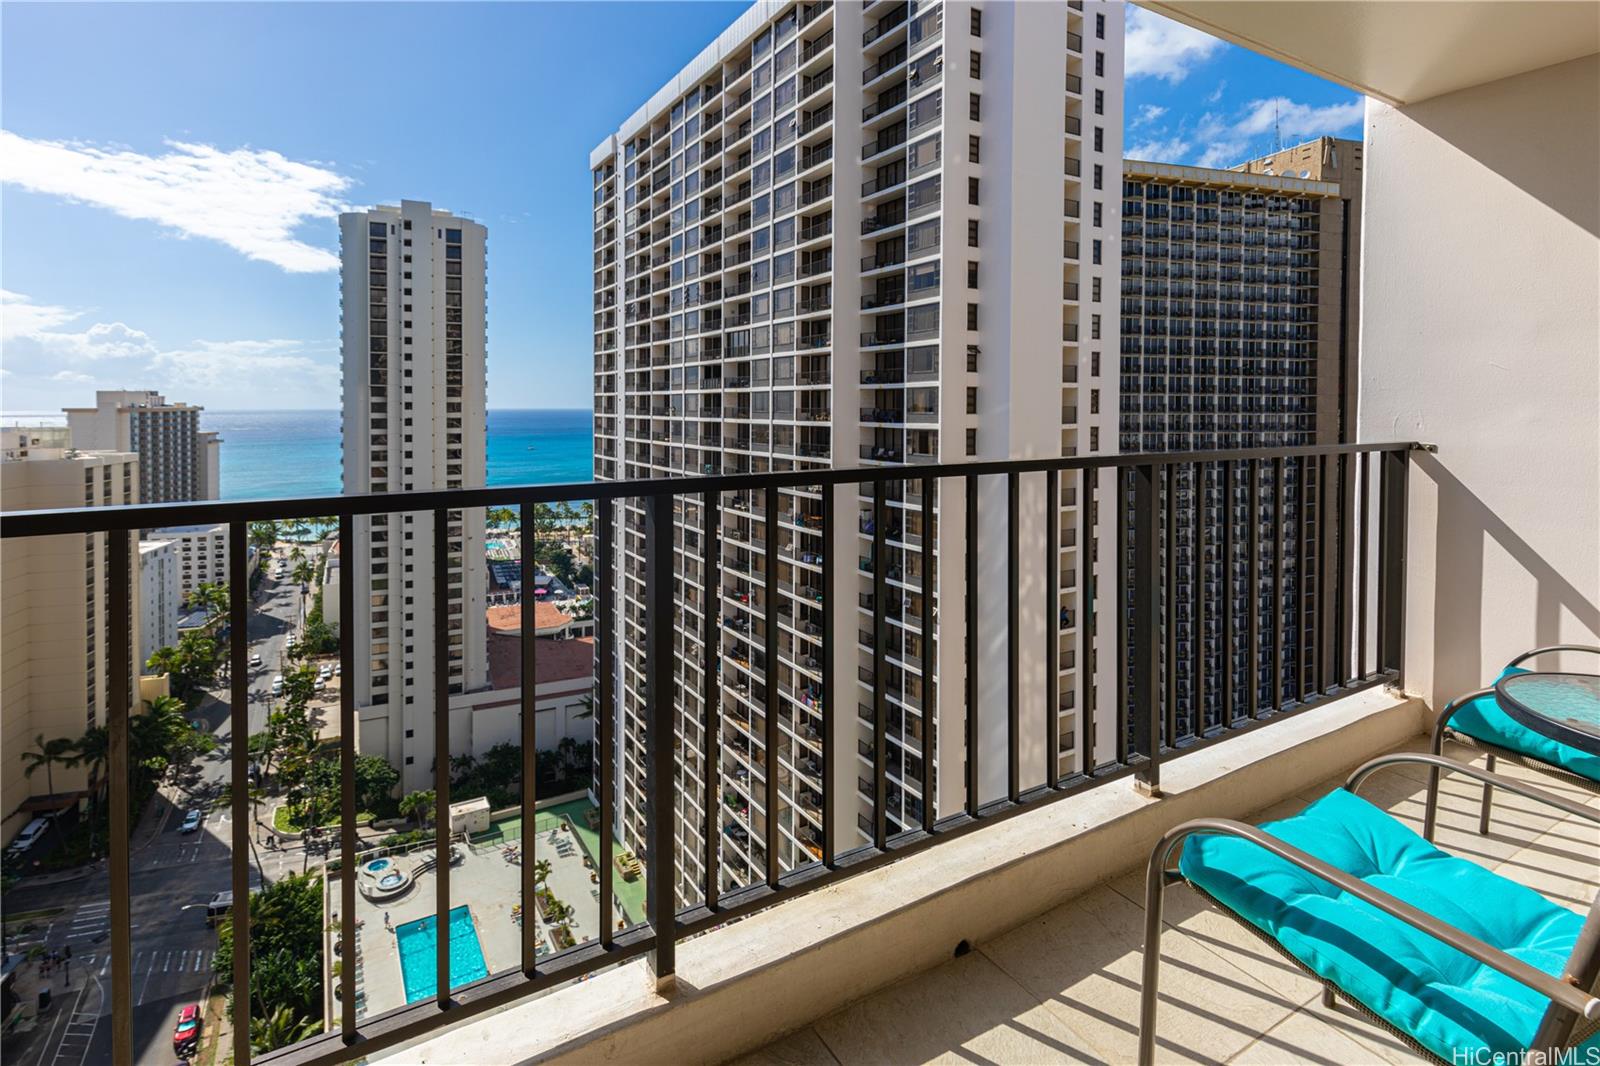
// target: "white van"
[[277, 684], [28, 837]]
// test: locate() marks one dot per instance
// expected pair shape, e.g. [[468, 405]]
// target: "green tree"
[[541, 871], [280, 1029], [501, 517], [375, 781], [48, 754], [418, 805], [286, 922], [263, 535], [303, 572]]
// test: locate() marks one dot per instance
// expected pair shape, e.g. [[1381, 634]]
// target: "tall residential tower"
[[177, 459], [853, 234], [413, 338]]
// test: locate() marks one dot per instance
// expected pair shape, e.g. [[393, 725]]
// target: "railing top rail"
[[15, 524]]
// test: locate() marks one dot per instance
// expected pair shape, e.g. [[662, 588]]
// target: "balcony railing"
[[1306, 605]]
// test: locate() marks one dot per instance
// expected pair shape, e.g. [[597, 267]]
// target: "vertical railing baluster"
[[1086, 664], [528, 531], [1052, 629], [347, 771], [1169, 638], [832, 702], [1145, 571], [1363, 532], [661, 889], [606, 711], [1392, 561], [1197, 627], [1278, 534], [1119, 482], [880, 701], [1013, 637], [119, 689], [711, 687], [441, 749], [1343, 582], [774, 698], [239, 785], [1325, 555], [971, 603], [1302, 588], [929, 713], [1225, 643], [1253, 601]]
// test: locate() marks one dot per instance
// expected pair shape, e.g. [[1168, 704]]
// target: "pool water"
[[418, 945], [377, 866], [495, 545]]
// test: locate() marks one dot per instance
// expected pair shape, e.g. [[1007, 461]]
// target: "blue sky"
[[171, 179]]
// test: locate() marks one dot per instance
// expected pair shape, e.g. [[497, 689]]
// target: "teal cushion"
[[1445, 1000], [1483, 720]]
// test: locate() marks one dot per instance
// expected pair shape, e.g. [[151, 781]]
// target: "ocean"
[[277, 454]]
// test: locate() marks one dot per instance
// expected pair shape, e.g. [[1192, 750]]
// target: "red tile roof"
[[546, 616], [555, 660]]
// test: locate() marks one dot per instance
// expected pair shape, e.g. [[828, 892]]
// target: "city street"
[[173, 876]]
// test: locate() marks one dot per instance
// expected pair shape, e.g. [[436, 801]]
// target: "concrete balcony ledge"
[[742, 987]]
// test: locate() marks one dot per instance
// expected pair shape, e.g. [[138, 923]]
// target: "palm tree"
[[48, 753], [263, 535], [541, 871], [303, 572], [418, 804], [280, 1029]]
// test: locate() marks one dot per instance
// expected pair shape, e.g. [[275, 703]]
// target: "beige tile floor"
[[1064, 988]]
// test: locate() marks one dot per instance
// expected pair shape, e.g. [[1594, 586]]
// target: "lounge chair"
[[1460, 963], [1477, 721]]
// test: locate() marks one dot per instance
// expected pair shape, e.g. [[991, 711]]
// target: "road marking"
[[199, 956], [167, 964]]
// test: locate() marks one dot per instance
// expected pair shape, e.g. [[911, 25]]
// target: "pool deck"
[[490, 885]]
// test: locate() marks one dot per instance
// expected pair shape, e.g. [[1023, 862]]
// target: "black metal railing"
[[1267, 551]]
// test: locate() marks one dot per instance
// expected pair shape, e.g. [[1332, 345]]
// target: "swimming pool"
[[417, 954], [495, 545]]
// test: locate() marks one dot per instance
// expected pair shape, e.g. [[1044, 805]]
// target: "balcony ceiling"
[[1402, 51]]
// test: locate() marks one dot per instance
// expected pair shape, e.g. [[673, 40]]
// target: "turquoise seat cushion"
[[1445, 1000], [1482, 719]]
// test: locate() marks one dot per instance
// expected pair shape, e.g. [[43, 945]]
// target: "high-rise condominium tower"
[[177, 460], [850, 235], [55, 630], [412, 286], [1233, 312]]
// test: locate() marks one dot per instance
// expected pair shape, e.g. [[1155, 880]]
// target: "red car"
[[186, 1034]]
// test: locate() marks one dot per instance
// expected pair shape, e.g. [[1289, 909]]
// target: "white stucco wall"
[[1480, 333]]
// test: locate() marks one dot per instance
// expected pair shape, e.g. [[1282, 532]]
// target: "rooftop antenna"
[[1277, 133]]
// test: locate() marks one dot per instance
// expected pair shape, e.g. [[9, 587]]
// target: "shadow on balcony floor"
[[1065, 987]]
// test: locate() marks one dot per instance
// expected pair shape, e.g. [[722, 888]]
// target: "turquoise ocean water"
[[276, 454]]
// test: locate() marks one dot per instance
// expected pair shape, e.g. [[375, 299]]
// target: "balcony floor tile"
[[1065, 986]]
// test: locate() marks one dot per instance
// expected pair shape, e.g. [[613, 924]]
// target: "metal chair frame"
[[1442, 732], [1574, 996]]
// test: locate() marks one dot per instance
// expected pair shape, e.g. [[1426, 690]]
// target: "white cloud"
[[1168, 150], [1157, 47], [252, 201], [1299, 121], [21, 317], [1216, 94], [48, 366], [1147, 114]]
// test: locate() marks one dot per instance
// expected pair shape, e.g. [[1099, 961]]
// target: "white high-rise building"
[[413, 337], [177, 459], [159, 597], [855, 235], [202, 554]]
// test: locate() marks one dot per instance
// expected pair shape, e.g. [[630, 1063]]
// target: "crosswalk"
[[78, 1034], [91, 922], [177, 961]]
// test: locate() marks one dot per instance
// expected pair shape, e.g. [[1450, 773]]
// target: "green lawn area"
[[629, 893]]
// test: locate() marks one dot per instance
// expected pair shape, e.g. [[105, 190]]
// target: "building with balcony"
[[413, 281], [1233, 295], [836, 210], [177, 459], [56, 649], [202, 553]]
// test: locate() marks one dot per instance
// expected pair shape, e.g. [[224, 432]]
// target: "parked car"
[[191, 822], [186, 1034], [28, 837], [277, 684], [255, 660]]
